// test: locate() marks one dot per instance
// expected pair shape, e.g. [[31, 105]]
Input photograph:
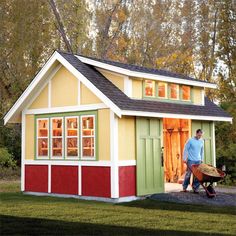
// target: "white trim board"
[[66, 109], [78, 162], [177, 116], [128, 72], [26, 96]]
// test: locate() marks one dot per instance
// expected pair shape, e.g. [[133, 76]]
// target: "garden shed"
[[99, 129]]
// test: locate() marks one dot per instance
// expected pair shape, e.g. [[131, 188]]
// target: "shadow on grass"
[[11, 225], [164, 205]]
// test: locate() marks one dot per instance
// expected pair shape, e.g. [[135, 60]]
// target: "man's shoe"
[[195, 191], [184, 190]]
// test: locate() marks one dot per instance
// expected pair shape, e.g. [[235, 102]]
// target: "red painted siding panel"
[[36, 178], [96, 181], [127, 181], [64, 179]]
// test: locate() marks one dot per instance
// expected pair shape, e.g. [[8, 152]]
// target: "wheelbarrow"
[[206, 180]]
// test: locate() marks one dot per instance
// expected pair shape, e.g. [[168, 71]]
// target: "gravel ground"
[[224, 197]]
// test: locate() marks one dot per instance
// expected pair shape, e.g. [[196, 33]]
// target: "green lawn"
[[30, 215]]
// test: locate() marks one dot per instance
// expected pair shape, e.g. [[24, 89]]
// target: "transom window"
[[149, 87], [64, 138], [162, 90], [174, 91], [166, 91], [186, 93]]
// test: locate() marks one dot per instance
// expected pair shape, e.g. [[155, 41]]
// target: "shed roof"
[[129, 104], [143, 69]]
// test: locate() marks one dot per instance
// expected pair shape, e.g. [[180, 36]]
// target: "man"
[[193, 154]]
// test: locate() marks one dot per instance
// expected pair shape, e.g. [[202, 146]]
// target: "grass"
[[30, 215]]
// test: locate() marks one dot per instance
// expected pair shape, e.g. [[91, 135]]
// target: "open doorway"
[[175, 134]]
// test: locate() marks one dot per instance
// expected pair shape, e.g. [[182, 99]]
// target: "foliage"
[[6, 159], [195, 38]]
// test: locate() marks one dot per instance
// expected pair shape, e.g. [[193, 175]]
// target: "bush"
[[6, 159], [9, 173]]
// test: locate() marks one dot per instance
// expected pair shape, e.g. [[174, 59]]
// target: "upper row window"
[[151, 86], [56, 143]]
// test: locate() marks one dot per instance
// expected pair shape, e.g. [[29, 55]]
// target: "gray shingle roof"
[[145, 69], [125, 103]]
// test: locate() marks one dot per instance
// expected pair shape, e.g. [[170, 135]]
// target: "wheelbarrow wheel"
[[210, 191]]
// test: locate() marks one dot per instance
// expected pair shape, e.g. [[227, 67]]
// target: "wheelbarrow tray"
[[203, 177]]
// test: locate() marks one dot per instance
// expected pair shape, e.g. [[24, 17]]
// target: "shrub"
[[6, 159]]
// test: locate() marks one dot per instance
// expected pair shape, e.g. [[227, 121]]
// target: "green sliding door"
[[208, 136], [149, 161]]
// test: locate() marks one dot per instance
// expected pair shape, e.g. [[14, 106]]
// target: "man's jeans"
[[186, 182]]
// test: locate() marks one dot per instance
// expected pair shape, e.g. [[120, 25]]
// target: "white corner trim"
[[203, 97], [214, 144], [144, 75], [67, 109], [79, 180], [177, 116], [114, 155], [128, 86], [49, 177], [23, 152]]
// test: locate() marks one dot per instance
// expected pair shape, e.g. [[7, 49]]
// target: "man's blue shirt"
[[194, 149]]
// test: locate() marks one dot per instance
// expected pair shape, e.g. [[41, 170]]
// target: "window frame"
[[37, 138], [62, 137], [78, 138], [64, 115], [190, 93], [166, 90], [178, 92], [82, 136], [144, 88]]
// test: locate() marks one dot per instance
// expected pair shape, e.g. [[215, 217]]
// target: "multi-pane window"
[[174, 91], [162, 90], [66, 137], [42, 138], [71, 137], [57, 137], [186, 93], [149, 88], [88, 136]]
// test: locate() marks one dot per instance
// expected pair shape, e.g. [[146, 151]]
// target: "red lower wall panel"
[[96, 181], [64, 179], [36, 178], [127, 181]]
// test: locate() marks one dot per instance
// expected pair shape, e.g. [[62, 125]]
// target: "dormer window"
[[186, 96], [149, 88], [174, 91], [162, 90]]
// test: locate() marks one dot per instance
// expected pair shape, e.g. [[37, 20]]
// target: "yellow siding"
[[104, 134], [117, 80], [126, 138], [137, 88], [41, 101], [64, 89], [197, 95], [87, 97], [29, 137]]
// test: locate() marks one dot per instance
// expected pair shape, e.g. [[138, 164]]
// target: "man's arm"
[[202, 151], [186, 147]]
